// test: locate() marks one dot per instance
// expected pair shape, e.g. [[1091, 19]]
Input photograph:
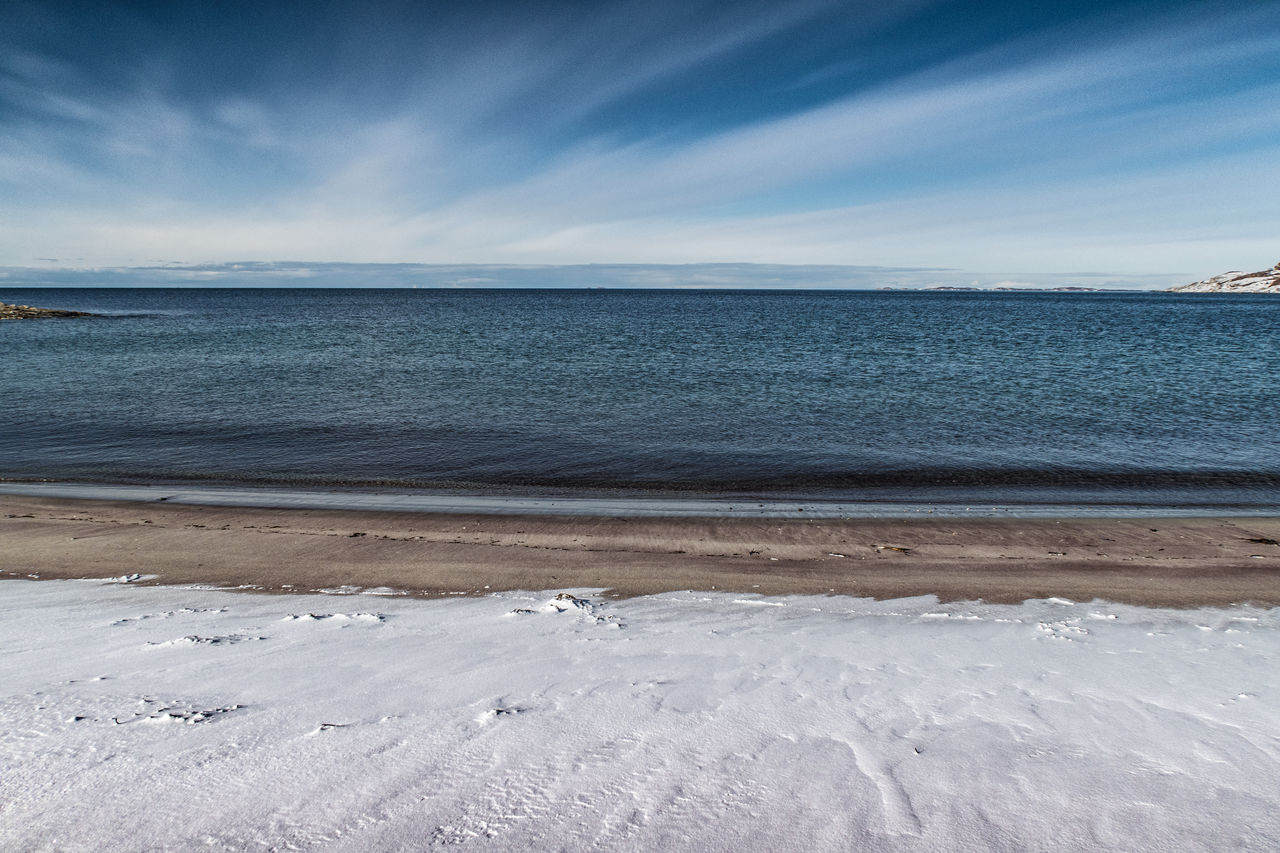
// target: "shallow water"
[[1011, 397]]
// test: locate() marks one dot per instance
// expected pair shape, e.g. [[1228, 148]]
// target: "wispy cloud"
[[678, 132]]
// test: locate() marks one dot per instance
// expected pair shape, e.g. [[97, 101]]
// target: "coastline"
[[1151, 561], [629, 503]]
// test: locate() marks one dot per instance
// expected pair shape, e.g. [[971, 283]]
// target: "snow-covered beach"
[[178, 717], [728, 426]]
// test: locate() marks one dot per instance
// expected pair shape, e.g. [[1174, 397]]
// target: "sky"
[[1122, 139]]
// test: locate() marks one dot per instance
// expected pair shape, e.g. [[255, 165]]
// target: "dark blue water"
[[857, 395]]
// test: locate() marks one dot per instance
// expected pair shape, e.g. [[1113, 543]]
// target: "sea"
[[881, 398]]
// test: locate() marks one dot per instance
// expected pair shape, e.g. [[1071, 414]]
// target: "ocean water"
[[1128, 398]]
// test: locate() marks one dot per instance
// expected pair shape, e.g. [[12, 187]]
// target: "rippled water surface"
[[1012, 396]]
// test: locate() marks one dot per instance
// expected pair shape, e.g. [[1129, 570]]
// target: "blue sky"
[[1127, 138]]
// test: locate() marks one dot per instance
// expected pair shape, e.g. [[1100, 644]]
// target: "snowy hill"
[[1267, 281]]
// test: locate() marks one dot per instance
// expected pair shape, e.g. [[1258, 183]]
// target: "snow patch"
[[198, 640], [345, 589]]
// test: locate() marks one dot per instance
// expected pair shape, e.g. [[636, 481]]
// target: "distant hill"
[[1267, 281]]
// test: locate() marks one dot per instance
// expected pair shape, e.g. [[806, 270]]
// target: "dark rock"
[[28, 312]]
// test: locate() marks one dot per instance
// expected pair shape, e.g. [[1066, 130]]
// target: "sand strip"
[[1179, 562]]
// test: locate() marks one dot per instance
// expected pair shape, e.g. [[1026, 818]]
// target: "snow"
[[135, 717], [1266, 281]]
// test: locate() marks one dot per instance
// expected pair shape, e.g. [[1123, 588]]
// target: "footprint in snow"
[[335, 617], [491, 714], [197, 640], [156, 711], [168, 614], [568, 603]]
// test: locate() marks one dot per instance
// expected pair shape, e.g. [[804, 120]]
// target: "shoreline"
[[1167, 561], [627, 503]]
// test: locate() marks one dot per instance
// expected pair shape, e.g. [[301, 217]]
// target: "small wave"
[[138, 315], [709, 482]]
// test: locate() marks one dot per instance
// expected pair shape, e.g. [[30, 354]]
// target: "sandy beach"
[[1174, 562]]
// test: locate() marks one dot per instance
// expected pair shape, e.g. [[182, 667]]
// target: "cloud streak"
[[1130, 140]]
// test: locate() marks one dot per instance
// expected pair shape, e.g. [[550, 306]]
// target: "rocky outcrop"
[[27, 312], [1267, 281]]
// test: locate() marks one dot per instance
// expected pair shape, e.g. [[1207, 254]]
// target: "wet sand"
[[1178, 562]]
